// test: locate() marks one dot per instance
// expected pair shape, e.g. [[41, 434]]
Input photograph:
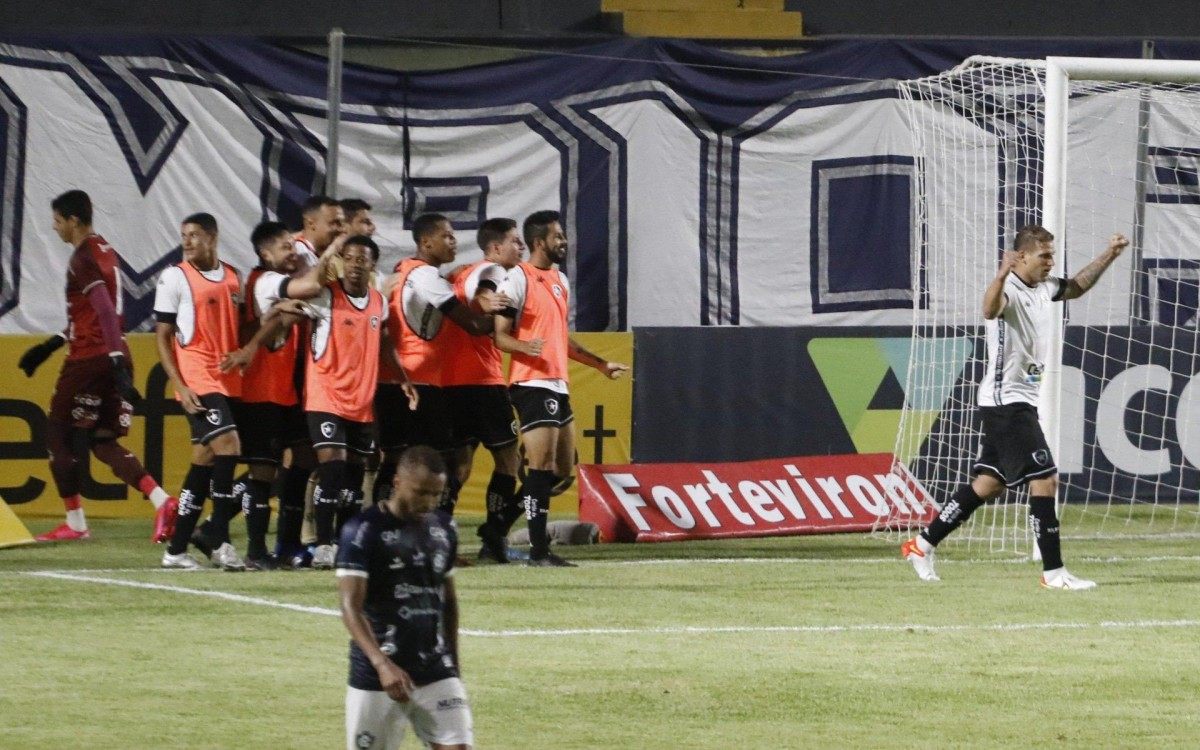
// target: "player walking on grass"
[[540, 306], [196, 305], [94, 396], [1019, 316], [480, 408], [396, 590]]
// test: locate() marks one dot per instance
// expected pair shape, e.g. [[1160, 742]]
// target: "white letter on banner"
[[861, 487], [833, 490], [809, 492], [1110, 420], [672, 507], [620, 484], [759, 501], [901, 496], [701, 498], [1187, 421], [721, 490], [783, 493]]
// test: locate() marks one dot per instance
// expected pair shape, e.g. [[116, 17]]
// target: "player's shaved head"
[[420, 480], [421, 456], [315, 203], [1031, 236]]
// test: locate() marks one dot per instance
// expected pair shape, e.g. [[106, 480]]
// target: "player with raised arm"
[[1019, 317], [420, 299], [324, 222], [94, 394], [396, 591], [196, 305], [540, 308], [476, 392]]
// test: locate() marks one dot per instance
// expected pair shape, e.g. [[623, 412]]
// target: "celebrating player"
[[396, 587], [1019, 315], [94, 394], [480, 409], [323, 223], [540, 306], [196, 305]]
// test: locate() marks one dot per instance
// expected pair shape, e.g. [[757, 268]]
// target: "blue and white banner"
[[697, 187]]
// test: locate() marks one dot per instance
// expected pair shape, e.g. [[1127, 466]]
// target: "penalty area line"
[[662, 630]]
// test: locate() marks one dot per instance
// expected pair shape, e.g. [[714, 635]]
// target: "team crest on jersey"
[[1041, 457], [364, 740], [328, 428], [557, 291], [552, 406], [213, 416], [374, 322]]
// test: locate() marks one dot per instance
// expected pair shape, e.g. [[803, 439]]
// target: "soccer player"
[[269, 416], [420, 299], [349, 337], [480, 409], [396, 590], [94, 394], [1019, 315], [358, 220], [196, 306], [538, 382], [323, 223]]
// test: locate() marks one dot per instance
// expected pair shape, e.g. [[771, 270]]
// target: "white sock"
[[1048, 573], [158, 496], [76, 520], [924, 545]]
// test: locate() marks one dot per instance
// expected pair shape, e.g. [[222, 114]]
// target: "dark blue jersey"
[[406, 565]]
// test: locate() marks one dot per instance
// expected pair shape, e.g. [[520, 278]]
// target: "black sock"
[[256, 503], [450, 493], [191, 503], [383, 480], [291, 510], [500, 492], [330, 483], [1044, 521], [352, 497], [225, 504], [962, 504], [535, 494]]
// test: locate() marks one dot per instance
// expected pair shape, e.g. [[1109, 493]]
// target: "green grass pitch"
[[799, 642]]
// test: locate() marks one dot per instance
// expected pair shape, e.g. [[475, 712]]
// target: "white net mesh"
[[1130, 391]]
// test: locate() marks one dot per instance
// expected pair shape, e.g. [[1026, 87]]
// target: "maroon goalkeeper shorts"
[[86, 396]]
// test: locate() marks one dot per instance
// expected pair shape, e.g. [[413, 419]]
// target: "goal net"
[[1001, 144]]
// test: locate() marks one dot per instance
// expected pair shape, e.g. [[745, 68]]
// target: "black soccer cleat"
[[493, 549], [551, 560], [263, 562], [202, 543]]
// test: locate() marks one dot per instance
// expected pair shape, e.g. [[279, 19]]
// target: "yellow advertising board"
[[159, 435]]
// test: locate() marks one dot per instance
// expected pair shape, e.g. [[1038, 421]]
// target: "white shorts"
[[439, 713]]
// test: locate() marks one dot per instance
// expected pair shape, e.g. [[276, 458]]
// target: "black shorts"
[[267, 428], [541, 407], [216, 419], [331, 431], [1013, 448], [400, 427], [85, 396], [481, 414]]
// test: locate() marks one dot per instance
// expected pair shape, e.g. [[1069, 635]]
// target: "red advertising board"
[[775, 497]]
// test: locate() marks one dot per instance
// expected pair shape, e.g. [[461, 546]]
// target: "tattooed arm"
[[1090, 274]]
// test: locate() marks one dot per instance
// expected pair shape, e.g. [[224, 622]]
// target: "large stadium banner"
[[798, 495]]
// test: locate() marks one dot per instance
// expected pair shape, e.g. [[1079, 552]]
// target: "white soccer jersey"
[[174, 295], [306, 252], [425, 293], [267, 289], [493, 272], [1018, 342]]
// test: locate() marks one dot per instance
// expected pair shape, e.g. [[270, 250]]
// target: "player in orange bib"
[[196, 305], [476, 391], [94, 393], [420, 301], [538, 383], [324, 221]]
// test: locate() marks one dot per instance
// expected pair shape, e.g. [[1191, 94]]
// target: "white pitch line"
[[664, 630]]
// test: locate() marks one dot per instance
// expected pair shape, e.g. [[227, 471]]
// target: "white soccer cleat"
[[324, 557], [922, 562], [1065, 580], [226, 557], [182, 561]]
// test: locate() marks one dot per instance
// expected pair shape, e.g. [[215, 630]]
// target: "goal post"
[[1087, 147]]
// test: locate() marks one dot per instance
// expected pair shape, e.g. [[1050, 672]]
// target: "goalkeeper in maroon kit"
[[94, 394]]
